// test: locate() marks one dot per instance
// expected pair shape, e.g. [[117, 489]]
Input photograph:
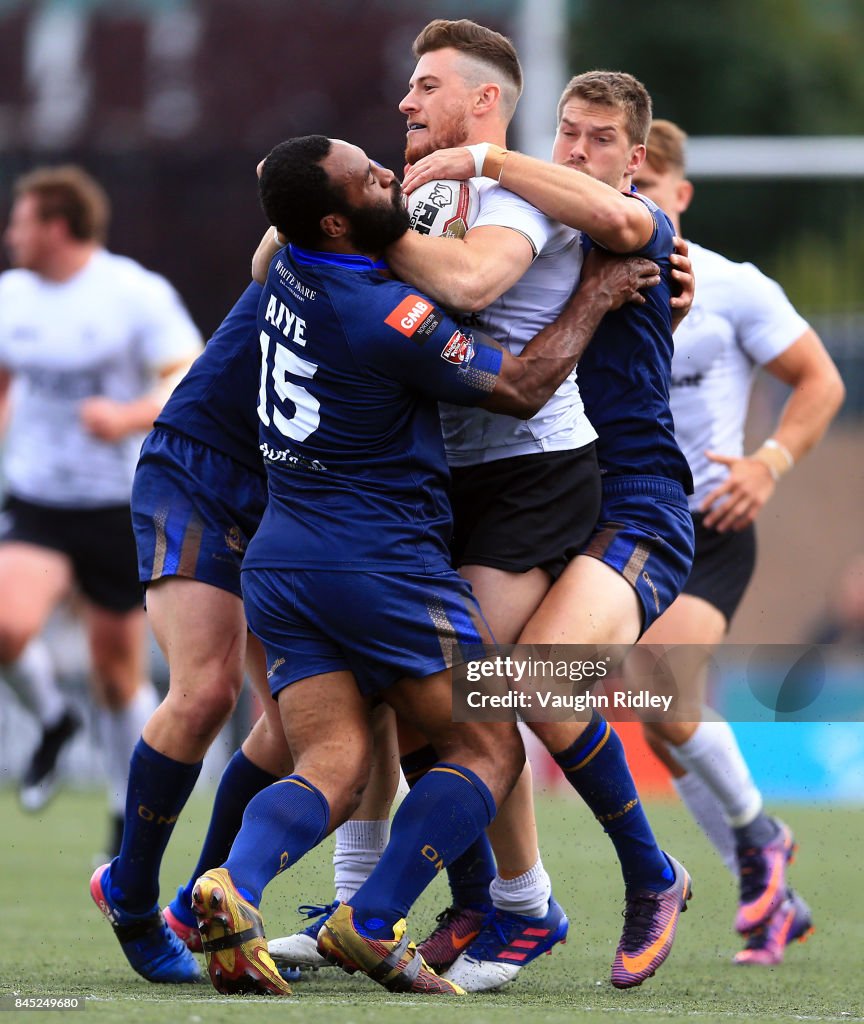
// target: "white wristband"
[[478, 151], [784, 451]]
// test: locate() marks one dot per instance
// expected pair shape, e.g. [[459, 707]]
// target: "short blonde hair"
[[614, 89], [667, 147]]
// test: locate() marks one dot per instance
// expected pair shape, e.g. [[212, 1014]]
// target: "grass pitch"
[[53, 941]]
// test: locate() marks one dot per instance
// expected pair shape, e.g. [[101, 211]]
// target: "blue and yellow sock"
[[472, 872], [241, 780], [157, 792], [280, 824], [444, 812], [595, 766]]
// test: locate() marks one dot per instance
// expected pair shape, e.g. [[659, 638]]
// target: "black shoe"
[[39, 783]]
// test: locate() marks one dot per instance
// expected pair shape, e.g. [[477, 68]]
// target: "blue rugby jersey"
[[624, 376], [215, 401], [353, 365]]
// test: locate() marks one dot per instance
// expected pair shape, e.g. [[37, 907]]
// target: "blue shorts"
[[645, 532], [194, 511], [381, 627]]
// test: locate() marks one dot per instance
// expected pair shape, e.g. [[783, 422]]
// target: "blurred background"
[[171, 103]]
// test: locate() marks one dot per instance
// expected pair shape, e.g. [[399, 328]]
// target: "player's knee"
[[202, 709]]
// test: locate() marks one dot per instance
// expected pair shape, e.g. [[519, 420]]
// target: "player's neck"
[[67, 261], [489, 130]]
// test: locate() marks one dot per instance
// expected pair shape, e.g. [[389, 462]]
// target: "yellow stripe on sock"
[[594, 752], [297, 782], [452, 771]]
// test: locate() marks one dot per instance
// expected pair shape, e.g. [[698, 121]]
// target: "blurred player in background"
[[90, 346], [740, 320]]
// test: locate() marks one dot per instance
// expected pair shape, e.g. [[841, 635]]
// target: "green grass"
[[52, 940]]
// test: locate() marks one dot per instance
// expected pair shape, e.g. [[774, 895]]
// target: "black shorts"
[[98, 541], [531, 511], [722, 566]]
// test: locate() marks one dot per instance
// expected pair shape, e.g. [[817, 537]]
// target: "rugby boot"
[[301, 948], [650, 923], [393, 963], [148, 943], [762, 872], [505, 944], [232, 937], [457, 928], [766, 944]]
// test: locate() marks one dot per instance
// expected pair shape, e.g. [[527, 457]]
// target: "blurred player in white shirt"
[[740, 320], [90, 346]]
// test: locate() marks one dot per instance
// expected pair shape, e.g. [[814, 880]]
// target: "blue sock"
[[158, 790], [472, 872], [241, 780], [280, 824], [447, 809], [595, 766]]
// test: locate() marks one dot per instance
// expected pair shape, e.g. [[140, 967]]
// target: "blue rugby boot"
[[151, 948]]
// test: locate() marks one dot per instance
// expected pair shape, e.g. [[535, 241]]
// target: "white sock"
[[707, 811], [120, 731], [527, 895], [359, 845], [34, 677], [712, 753]]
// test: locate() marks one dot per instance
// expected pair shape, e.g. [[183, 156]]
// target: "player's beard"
[[453, 132], [373, 228]]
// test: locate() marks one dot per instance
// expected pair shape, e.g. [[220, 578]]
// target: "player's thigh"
[[33, 581], [266, 745], [118, 652], [591, 603], [326, 724], [201, 630], [508, 599]]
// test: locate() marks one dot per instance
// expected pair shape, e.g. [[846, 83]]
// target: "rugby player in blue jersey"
[[215, 406], [639, 555]]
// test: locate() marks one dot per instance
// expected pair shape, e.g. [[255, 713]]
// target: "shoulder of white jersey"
[[499, 207]]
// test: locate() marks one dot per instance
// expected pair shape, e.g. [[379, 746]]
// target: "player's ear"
[[487, 97], [684, 194], [637, 158], [334, 225]]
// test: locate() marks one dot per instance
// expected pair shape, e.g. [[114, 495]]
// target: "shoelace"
[[496, 931], [638, 917], [315, 912]]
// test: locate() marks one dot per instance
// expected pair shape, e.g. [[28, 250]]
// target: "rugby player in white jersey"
[[740, 320], [90, 343]]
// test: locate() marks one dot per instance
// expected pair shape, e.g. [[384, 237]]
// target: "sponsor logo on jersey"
[[459, 349], [688, 380], [415, 317]]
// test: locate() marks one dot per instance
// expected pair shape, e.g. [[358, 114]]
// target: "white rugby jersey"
[[107, 331], [740, 320], [473, 436]]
